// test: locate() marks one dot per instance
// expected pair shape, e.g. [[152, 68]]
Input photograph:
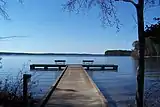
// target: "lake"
[[118, 87]]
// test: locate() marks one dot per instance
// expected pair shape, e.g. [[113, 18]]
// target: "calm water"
[[118, 87]]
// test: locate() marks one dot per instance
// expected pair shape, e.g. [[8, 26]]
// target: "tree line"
[[152, 39], [118, 52]]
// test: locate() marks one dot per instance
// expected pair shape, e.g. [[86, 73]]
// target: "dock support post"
[[32, 67], [102, 68], [115, 67], [26, 78], [88, 68], [45, 68], [59, 67]]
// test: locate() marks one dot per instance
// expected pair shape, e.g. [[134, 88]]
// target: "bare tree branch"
[[151, 4], [21, 1], [134, 19], [107, 9], [130, 1], [3, 9]]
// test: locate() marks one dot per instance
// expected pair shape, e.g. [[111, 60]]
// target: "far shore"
[[18, 53], [69, 54], [62, 54]]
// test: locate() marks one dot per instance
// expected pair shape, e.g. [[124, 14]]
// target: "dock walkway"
[[76, 89]]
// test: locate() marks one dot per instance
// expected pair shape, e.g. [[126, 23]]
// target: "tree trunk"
[[140, 72]]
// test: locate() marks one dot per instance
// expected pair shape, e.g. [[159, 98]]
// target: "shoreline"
[[59, 54]]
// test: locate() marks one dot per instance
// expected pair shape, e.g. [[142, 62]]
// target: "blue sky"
[[46, 27]]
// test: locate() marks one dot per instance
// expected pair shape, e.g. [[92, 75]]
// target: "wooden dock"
[[86, 66], [46, 66], [101, 66], [74, 88]]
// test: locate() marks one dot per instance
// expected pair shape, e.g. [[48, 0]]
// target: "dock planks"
[[88, 66], [76, 89]]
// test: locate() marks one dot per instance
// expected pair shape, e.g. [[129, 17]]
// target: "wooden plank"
[[99, 65], [56, 65], [44, 100], [76, 89], [102, 66], [46, 66]]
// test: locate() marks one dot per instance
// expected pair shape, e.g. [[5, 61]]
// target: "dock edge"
[[103, 99], [46, 97]]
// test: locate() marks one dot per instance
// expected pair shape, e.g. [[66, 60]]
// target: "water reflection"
[[119, 88], [152, 82], [45, 80], [1, 65], [152, 64], [0, 62]]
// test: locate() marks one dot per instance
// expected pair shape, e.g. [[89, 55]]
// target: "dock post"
[[59, 67], [26, 78], [88, 68], [102, 68], [115, 67], [32, 67], [45, 68]]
